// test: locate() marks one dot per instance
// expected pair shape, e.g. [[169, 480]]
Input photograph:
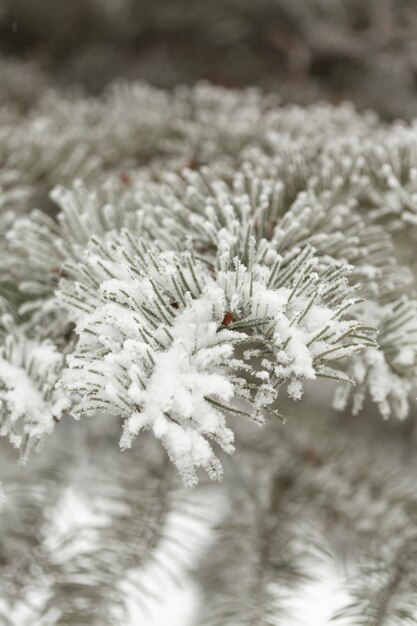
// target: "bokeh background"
[[361, 50]]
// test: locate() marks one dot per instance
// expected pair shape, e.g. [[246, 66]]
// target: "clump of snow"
[[295, 389], [175, 402], [29, 401]]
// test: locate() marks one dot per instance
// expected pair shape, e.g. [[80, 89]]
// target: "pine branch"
[[29, 401], [156, 328]]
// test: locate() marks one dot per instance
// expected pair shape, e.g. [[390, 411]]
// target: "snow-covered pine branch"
[[173, 344], [389, 372], [206, 212], [29, 400]]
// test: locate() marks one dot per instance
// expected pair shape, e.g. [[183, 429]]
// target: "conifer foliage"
[[178, 269]]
